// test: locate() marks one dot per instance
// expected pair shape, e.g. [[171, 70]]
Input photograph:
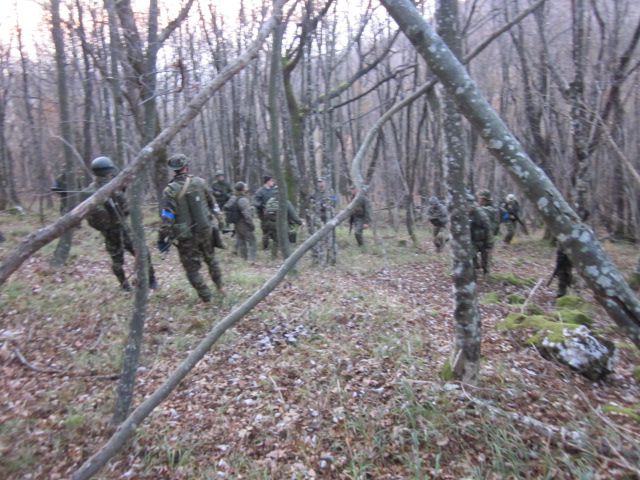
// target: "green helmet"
[[240, 186], [102, 166], [178, 161], [486, 194]]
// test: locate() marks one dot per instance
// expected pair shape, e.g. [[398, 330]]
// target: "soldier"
[[221, 189], [510, 211], [361, 216], [439, 218], [187, 207], [260, 200], [481, 231], [110, 219], [271, 219], [238, 213], [486, 203], [564, 266]]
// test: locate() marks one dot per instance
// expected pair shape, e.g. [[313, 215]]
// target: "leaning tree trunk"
[[574, 237], [63, 248], [465, 355]]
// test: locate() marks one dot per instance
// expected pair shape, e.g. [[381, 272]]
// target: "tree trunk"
[[465, 354]]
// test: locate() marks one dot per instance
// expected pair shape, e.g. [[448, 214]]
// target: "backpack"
[[272, 207], [232, 211]]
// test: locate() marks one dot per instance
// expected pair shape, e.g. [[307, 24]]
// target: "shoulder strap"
[[184, 188]]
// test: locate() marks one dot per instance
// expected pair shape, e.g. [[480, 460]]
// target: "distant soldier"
[[110, 219], [481, 231], [187, 207], [260, 200], [564, 266], [486, 203], [361, 216], [221, 189], [238, 213], [271, 221], [439, 218], [510, 215]]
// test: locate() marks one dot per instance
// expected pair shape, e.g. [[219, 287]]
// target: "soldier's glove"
[[163, 245]]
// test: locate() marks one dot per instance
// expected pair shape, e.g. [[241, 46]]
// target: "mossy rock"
[[573, 316], [571, 302], [515, 299], [543, 325], [490, 298]]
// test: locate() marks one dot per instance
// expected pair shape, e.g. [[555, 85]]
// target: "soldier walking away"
[[110, 219], [439, 218], [510, 215], [564, 266], [361, 217], [271, 221], [260, 200], [481, 236], [238, 212], [187, 206], [221, 189], [485, 200]]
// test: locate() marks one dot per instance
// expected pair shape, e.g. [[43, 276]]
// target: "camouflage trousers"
[[116, 241], [245, 241], [358, 230], [484, 251], [563, 272], [270, 233], [440, 237], [264, 226], [192, 252], [511, 231]]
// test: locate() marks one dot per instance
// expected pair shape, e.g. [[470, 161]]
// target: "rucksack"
[[272, 206], [232, 211]]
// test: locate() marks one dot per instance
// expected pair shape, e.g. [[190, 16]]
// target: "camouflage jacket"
[[241, 202], [481, 228], [493, 214], [187, 207], [111, 214], [362, 211], [438, 214], [261, 198], [221, 191]]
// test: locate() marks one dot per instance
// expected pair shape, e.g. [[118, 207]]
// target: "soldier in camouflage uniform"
[[221, 189], [439, 218], [187, 207], [564, 266], [238, 210], [510, 214], [485, 201], [481, 230], [271, 221], [260, 200], [110, 219], [361, 216]]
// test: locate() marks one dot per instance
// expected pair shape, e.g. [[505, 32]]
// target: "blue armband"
[[167, 214]]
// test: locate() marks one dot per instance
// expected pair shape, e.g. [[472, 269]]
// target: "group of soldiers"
[[484, 224], [193, 216]]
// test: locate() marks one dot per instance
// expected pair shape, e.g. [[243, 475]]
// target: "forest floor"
[[334, 375]]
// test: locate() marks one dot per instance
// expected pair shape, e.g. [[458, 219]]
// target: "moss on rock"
[[573, 316], [542, 325]]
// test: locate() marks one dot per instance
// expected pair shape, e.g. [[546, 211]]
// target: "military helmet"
[[219, 173], [178, 161], [102, 166], [434, 200], [486, 194], [511, 197], [240, 186]]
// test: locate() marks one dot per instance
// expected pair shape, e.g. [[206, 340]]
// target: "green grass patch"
[[542, 325], [632, 412], [511, 279], [490, 298]]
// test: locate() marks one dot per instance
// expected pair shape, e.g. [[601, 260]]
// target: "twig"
[[533, 290], [24, 362], [277, 389]]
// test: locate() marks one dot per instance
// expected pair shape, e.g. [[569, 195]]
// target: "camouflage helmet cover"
[[240, 186], [486, 194], [434, 200], [219, 173], [178, 161], [102, 166]]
